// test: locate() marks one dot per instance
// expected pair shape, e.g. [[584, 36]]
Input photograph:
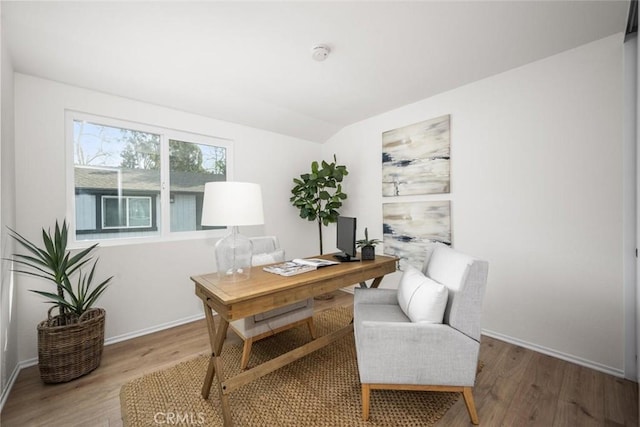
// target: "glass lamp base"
[[233, 256]]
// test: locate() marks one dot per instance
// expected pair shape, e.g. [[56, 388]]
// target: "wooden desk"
[[265, 291]]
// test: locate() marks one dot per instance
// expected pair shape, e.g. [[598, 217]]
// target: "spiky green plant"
[[366, 242], [55, 263]]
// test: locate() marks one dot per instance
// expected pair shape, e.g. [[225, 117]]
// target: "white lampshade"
[[232, 203]]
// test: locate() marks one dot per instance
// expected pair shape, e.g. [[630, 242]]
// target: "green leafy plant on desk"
[[367, 246]]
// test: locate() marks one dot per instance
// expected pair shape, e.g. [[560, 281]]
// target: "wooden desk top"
[[265, 291]]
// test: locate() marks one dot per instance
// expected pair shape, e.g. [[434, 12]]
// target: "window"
[[126, 212], [190, 166], [138, 181]]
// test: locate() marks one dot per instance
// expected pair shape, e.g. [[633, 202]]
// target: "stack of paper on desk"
[[298, 266], [317, 262]]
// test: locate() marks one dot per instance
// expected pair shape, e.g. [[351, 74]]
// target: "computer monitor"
[[346, 239]]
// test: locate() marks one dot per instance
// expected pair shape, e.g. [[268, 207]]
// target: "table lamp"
[[232, 204]]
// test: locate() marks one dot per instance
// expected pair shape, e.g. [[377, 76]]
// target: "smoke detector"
[[320, 52]]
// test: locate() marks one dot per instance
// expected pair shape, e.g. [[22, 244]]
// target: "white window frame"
[[164, 223], [126, 200]]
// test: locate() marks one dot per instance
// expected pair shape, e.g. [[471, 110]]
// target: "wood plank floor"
[[517, 387]]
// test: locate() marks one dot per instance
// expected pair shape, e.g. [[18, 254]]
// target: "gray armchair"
[[400, 344], [266, 250]]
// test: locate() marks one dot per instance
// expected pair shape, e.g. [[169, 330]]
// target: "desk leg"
[[223, 326], [215, 366], [211, 329], [376, 282], [216, 340], [208, 379], [224, 397]]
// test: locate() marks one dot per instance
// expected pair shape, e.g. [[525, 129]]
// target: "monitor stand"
[[345, 258]]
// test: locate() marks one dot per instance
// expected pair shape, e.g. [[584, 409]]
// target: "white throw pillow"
[[268, 258], [421, 299], [410, 280]]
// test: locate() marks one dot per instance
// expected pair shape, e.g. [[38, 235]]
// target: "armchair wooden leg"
[[312, 328], [471, 406], [366, 391], [246, 351]]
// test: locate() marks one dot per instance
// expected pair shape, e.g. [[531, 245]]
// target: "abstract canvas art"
[[415, 158], [409, 227]]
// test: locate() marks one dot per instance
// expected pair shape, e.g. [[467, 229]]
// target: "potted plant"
[[69, 344], [318, 195], [367, 246]]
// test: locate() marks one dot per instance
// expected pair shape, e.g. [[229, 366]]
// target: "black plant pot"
[[368, 253]]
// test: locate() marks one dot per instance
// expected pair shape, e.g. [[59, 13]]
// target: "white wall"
[[152, 286], [630, 216], [637, 205], [8, 323], [536, 190]]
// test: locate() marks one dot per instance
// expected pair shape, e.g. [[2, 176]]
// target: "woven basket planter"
[[70, 351]]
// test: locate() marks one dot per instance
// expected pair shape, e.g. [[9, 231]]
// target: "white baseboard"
[[7, 389], [34, 361], [535, 347], [152, 329], [557, 354], [130, 335], [545, 350]]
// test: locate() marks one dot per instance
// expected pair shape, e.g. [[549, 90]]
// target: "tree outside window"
[[118, 182]]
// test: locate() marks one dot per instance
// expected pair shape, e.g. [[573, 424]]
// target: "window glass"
[[139, 211], [126, 177], [126, 212], [112, 164], [114, 213], [191, 166]]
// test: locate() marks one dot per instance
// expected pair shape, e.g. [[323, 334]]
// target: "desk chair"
[[266, 250]]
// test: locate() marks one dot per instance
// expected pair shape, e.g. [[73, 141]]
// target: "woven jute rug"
[[321, 389]]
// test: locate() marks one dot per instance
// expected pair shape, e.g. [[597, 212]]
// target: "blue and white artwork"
[[409, 227], [415, 158]]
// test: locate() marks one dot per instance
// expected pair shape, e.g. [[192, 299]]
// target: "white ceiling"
[[250, 63]]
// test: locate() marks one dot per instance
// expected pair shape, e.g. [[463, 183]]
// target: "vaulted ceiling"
[[250, 62]]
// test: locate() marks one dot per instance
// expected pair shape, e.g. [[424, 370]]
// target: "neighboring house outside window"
[[126, 212], [128, 177]]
